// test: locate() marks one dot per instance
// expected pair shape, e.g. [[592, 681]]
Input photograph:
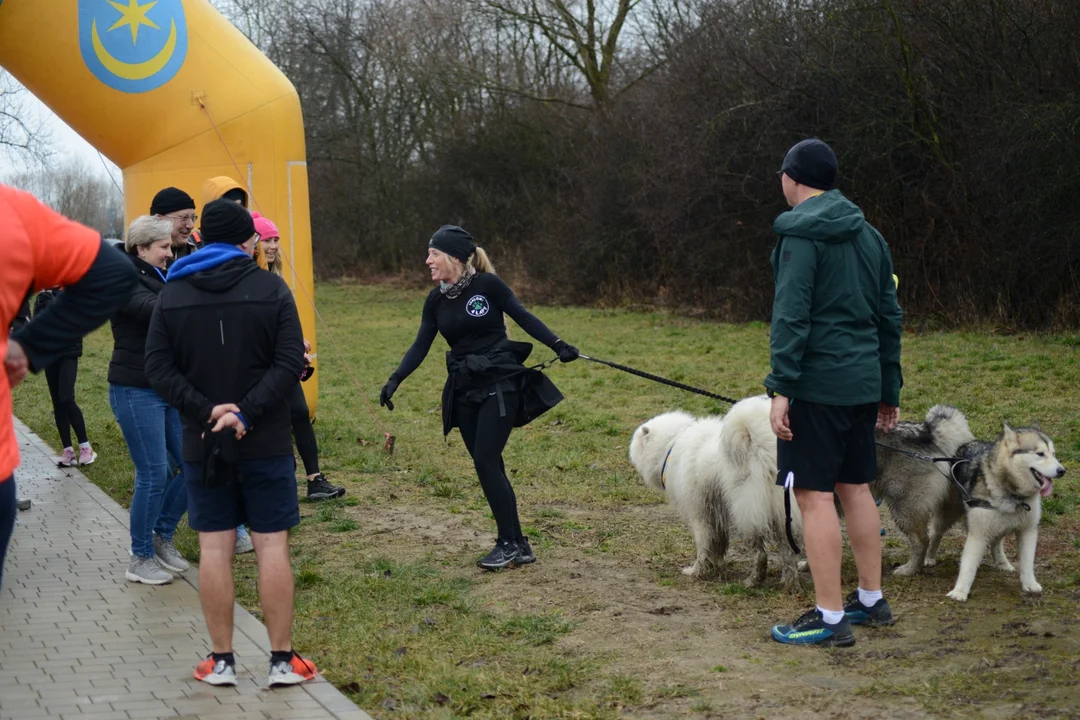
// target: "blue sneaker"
[[811, 629], [879, 615]]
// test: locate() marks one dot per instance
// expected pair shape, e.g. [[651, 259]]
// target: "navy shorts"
[[830, 444], [263, 498]]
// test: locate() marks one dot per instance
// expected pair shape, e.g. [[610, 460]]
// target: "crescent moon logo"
[[133, 46], [134, 71]]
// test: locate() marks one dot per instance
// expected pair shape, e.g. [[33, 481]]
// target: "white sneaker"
[[243, 544], [147, 571]]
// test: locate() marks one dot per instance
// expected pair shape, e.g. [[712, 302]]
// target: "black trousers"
[[303, 433], [61, 377], [485, 434], [7, 519]]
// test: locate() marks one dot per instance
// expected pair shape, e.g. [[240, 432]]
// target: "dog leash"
[[953, 462], [789, 485], [661, 380]]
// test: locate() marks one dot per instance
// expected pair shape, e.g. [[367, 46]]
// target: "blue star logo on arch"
[[133, 46]]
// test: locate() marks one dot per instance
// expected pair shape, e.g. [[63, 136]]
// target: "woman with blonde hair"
[[488, 390], [318, 487]]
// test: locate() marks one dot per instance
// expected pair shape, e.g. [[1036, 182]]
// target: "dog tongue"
[[1047, 487]]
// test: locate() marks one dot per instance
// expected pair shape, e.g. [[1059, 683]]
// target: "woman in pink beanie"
[[318, 488]]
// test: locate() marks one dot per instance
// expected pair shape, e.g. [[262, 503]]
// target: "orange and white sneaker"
[[291, 672], [220, 672]]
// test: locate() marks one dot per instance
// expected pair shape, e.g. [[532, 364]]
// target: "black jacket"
[[227, 334], [130, 325], [43, 300]]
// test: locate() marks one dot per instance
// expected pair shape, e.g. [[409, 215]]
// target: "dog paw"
[[958, 595], [906, 570], [692, 570], [929, 562], [803, 566], [1005, 566], [1034, 588]]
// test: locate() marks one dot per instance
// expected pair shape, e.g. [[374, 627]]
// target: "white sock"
[[831, 616], [85, 445], [868, 597]]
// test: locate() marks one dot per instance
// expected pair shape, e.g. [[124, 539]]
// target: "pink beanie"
[[265, 227]]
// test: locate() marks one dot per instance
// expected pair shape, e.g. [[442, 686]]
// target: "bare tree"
[[23, 137], [78, 192]]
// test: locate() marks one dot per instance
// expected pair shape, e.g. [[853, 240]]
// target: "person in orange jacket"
[[43, 249]]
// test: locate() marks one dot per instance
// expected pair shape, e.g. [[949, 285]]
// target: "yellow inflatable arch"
[[172, 93]]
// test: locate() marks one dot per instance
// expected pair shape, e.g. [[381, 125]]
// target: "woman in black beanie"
[[488, 391]]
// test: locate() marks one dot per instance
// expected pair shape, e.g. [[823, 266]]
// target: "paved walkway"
[[77, 641]]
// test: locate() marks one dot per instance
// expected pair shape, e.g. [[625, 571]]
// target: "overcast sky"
[[65, 143]]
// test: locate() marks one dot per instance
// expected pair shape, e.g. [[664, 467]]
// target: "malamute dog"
[[1003, 483], [720, 476]]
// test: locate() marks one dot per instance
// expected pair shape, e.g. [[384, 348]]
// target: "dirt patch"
[[702, 649]]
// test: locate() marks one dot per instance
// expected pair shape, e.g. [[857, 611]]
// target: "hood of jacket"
[[829, 217], [216, 187], [215, 268]]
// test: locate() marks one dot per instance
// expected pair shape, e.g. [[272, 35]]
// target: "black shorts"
[[830, 444], [264, 497]]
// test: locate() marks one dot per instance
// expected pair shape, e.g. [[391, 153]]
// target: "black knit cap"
[[223, 221], [453, 241], [170, 200], [811, 163]]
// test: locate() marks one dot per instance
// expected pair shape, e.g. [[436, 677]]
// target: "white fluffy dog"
[[720, 476]]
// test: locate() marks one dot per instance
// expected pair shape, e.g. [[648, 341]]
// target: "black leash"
[[661, 380], [789, 485], [953, 462]]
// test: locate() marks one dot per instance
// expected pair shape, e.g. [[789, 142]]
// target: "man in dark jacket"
[[224, 348], [835, 348]]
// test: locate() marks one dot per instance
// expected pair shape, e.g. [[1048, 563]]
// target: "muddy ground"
[[703, 647]]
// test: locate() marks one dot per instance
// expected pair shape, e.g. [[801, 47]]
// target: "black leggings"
[[61, 378], [7, 519], [485, 435], [302, 431]]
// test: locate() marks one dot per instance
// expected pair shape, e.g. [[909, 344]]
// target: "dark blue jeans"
[[154, 438], [7, 519]]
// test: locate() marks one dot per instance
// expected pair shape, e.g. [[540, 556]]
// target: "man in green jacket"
[[835, 357]]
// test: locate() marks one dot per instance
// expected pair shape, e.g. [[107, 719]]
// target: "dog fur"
[[1006, 480], [720, 477]]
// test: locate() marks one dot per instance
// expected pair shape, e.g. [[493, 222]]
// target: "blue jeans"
[[7, 519], [154, 438]]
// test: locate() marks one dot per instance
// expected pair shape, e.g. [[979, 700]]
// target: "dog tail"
[[745, 423], [948, 428]]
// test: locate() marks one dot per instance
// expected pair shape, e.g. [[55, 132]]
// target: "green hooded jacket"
[[836, 322]]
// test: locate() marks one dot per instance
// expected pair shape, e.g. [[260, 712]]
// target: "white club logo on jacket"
[[477, 306]]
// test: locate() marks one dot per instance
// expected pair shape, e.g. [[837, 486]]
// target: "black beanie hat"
[[811, 163], [223, 221], [453, 241], [170, 200]]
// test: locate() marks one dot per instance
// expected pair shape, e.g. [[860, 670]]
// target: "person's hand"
[[778, 418], [16, 363], [386, 393], [233, 421], [567, 352], [887, 417], [220, 410], [307, 346]]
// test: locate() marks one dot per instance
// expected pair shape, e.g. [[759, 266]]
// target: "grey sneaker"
[[147, 570], [23, 503], [243, 544], [169, 557]]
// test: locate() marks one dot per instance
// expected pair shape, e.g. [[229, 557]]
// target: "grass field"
[[393, 610]]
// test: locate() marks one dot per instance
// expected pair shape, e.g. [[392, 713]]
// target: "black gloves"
[[567, 352], [387, 392]]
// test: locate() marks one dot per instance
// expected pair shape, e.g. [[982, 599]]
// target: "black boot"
[[525, 555], [504, 554]]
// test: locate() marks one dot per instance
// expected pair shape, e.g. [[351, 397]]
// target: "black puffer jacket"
[[129, 327]]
